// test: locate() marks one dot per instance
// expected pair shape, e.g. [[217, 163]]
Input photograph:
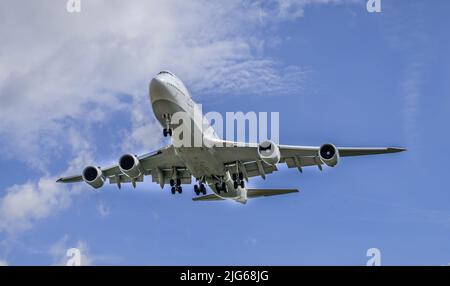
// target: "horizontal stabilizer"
[[251, 193], [211, 197], [254, 193]]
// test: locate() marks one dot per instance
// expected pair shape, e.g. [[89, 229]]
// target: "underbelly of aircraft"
[[200, 161]]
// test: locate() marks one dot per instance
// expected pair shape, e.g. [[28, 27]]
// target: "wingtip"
[[397, 149]]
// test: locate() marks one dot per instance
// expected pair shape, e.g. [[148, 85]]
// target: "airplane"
[[223, 165]]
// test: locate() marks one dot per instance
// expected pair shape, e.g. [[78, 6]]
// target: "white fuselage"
[[169, 96]]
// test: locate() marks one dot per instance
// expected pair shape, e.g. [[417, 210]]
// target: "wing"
[[246, 156], [161, 165], [297, 156]]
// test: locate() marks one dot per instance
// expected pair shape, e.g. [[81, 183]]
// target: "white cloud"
[[141, 137], [24, 204], [3, 263]]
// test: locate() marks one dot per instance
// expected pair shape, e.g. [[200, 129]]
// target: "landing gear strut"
[[167, 130]]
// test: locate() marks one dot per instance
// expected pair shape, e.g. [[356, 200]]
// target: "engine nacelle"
[[329, 155], [130, 166], [269, 152], [93, 176]]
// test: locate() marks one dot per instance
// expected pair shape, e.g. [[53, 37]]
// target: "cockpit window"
[[165, 72]]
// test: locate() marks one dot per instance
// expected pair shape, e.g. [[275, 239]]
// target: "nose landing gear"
[[167, 130]]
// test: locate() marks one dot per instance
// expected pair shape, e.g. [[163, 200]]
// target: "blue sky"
[[74, 91]]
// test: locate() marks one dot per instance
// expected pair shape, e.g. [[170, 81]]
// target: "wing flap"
[[124, 179], [294, 162], [184, 175]]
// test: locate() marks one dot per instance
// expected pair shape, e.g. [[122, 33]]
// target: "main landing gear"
[[221, 187], [200, 188], [167, 130], [176, 186], [238, 180]]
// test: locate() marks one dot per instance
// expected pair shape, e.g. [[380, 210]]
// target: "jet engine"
[[329, 154], [130, 166], [269, 152], [93, 176]]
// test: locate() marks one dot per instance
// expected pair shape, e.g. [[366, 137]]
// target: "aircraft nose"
[[158, 89], [157, 83]]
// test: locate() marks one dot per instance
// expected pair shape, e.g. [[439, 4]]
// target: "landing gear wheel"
[[172, 182], [234, 176], [202, 189], [180, 189], [218, 188], [242, 184], [167, 131], [241, 176], [197, 192], [178, 182], [173, 190], [224, 187], [235, 184]]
